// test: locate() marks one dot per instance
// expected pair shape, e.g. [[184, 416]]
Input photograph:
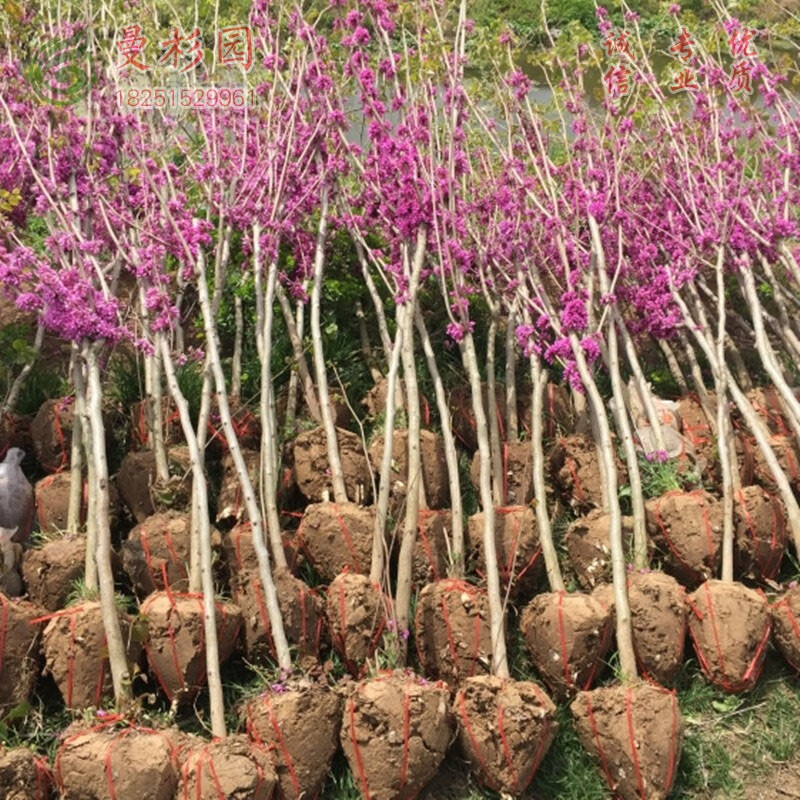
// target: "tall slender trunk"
[[498, 468], [117, 653], [674, 366], [84, 437], [76, 448], [10, 402], [294, 378], [512, 420], [238, 339], [366, 345], [200, 501]]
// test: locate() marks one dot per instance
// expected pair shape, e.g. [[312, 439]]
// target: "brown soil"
[[396, 731], [140, 431], [505, 729], [52, 503], [313, 473], [658, 615], [635, 734], [51, 432], [15, 431], [785, 614], [766, 402], [299, 724], [11, 573], [519, 554], [567, 637], [175, 644], [50, 571], [301, 609], [76, 652], [729, 625], [434, 467], [335, 537], [558, 417], [227, 769], [575, 469], [24, 775], [687, 527], [589, 547], [230, 503], [375, 401], [430, 548], [357, 617], [517, 469], [463, 420], [240, 555], [694, 424], [245, 424], [19, 651], [136, 483], [452, 631], [137, 763], [760, 529], [754, 468]]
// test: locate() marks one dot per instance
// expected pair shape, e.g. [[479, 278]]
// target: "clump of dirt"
[[658, 616], [51, 433], [302, 611], [558, 417], [589, 547], [24, 775], [434, 467], [20, 639], [517, 467], [240, 555], [313, 471], [430, 548], [575, 468], [760, 530], [52, 502], [505, 729], [50, 571], [231, 768], [452, 631], [156, 553], [136, 481], [687, 528], [785, 614], [357, 614], [175, 643], [337, 537], [463, 419], [15, 431], [375, 401], [635, 734], [76, 653], [519, 554], [567, 636], [729, 625], [299, 724], [230, 503], [766, 402], [170, 422], [105, 761], [396, 731], [695, 427], [754, 467]]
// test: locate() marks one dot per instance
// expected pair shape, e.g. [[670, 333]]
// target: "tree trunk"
[[512, 421], [498, 468]]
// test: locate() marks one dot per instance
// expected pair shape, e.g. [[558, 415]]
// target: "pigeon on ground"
[[16, 496]]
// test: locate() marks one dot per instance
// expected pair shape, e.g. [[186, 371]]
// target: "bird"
[[16, 496]]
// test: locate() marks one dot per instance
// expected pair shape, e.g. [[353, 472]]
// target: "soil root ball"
[[24, 775], [687, 528], [299, 724], [517, 468], [105, 761], [20, 639], [575, 467], [589, 547], [452, 631], [240, 555], [313, 471], [140, 429], [754, 468], [519, 553], [785, 614], [76, 652], [51, 433], [761, 537], [505, 729], [567, 636], [635, 734], [357, 612], [396, 730], [337, 536], [729, 626], [301, 608], [431, 546], [227, 769], [52, 503], [175, 644], [230, 501]]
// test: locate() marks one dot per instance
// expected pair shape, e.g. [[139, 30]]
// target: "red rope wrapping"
[[63, 457], [72, 614], [160, 572], [634, 754], [772, 412], [170, 630], [726, 682], [679, 647], [109, 721], [446, 589], [770, 565], [44, 778], [783, 605], [430, 550], [203, 759], [242, 421], [579, 493], [521, 782], [697, 493], [339, 631]]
